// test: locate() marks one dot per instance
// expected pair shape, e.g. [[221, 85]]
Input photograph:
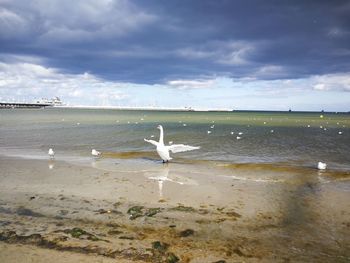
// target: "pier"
[[23, 105]]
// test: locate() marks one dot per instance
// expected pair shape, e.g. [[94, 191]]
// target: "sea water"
[[296, 139]]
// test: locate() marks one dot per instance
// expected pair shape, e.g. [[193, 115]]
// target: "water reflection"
[[167, 173], [51, 164]]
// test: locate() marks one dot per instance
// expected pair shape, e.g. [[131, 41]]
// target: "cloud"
[[32, 81], [71, 21], [191, 84], [270, 72], [154, 42], [329, 82], [237, 53], [222, 52]]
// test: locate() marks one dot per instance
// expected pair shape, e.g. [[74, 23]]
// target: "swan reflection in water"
[[164, 174], [51, 164]]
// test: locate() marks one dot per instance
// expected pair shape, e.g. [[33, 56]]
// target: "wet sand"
[[139, 210]]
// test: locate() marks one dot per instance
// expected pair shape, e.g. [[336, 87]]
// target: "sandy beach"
[[133, 210]]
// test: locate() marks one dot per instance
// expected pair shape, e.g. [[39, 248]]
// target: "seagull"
[[163, 150], [51, 153], [321, 166], [238, 138], [95, 153]]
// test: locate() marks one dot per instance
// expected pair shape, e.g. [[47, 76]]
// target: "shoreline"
[[194, 216], [174, 109]]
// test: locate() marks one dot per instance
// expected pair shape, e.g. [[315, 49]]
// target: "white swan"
[[51, 153], [163, 150]]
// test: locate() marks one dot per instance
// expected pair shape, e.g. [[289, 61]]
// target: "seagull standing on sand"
[[51, 153], [163, 150]]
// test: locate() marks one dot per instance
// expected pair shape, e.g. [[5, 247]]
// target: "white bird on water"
[[321, 166], [51, 153], [163, 150], [95, 153]]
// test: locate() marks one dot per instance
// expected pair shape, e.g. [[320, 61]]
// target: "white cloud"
[[191, 84], [32, 81], [338, 81]]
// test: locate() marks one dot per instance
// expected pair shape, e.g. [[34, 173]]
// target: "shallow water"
[[268, 137]]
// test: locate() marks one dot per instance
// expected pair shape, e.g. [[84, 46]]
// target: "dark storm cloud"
[[157, 41]]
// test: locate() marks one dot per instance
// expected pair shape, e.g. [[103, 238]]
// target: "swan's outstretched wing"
[[176, 148], [151, 141]]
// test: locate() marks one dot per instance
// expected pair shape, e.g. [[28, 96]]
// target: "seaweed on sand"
[[183, 208], [77, 232], [152, 211], [135, 212]]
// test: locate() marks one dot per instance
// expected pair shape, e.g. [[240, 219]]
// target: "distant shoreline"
[[31, 106]]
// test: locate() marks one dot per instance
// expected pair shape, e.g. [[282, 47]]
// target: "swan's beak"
[[158, 127]]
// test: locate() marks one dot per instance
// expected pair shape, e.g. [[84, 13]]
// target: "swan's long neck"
[[161, 136]]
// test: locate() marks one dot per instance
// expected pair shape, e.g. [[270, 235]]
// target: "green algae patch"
[[79, 233], [182, 208], [138, 211], [76, 232], [160, 246], [171, 258], [160, 254], [135, 212], [152, 211]]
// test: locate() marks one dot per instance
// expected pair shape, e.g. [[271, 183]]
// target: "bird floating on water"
[[95, 153], [163, 150], [51, 153], [321, 166]]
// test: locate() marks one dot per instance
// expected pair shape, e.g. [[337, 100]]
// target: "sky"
[[222, 54]]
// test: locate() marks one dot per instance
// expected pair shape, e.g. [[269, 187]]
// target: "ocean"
[[289, 138]]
